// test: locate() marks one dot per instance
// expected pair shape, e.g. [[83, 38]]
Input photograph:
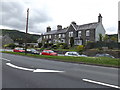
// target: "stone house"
[[80, 33]]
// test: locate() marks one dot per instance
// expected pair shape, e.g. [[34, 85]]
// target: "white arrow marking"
[[101, 83], [43, 70], [5, 59], [17, 67], [33, 70]]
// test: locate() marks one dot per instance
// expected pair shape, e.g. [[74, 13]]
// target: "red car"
[[18, 50], [48, 52]]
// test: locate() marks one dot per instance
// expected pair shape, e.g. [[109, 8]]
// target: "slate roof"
[[56, 31], [88, 26], [77, 27]]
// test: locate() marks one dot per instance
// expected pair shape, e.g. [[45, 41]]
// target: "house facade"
[[80, 33]]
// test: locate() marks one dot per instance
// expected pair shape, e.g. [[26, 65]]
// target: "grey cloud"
[[14, 16]]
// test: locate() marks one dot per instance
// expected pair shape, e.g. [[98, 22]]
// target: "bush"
[[45, 45], [11, 45], [54, 46], [50, 44], [80, 48], [39, 45]]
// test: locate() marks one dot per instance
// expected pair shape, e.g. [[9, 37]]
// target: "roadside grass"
[[104, 61]]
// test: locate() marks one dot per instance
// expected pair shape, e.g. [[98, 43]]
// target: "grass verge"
[[104, 61]]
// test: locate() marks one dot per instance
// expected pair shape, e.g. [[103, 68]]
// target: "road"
[[26, 72]]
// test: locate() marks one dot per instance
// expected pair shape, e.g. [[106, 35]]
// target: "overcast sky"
[[51, 13]]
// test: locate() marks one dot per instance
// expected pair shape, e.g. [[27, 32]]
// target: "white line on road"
[[14, 66], [33, 70], [96, 82], [43, 70], [5, 59]]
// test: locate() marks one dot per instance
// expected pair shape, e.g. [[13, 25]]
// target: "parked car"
[[104, 55], [49, 52], [18, 50], [74, 54], [32, 51]]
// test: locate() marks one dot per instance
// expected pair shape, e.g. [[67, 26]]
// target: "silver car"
[[76, 54]]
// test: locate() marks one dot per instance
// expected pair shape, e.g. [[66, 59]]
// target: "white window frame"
[[79, 33], [50, 36], [59, 35], [46, 36], [63, 35], [88, 33], [55, 36], [70, 34]]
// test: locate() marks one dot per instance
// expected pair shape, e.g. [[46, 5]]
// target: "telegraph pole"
[[26, 31]]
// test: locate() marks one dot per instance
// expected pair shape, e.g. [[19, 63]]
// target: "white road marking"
[[17, 67], [33, 70], [43, 70], [96, 82], [5, 59]]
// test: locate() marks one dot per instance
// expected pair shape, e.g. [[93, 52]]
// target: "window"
[[49, 42], [59, 35], [49, 36], [55, 36], [70, 34], [44, 37], [88, 33], [87, 40], [79, 33], [63, 35]]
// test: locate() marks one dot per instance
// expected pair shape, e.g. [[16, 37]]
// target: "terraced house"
[[80, 33]]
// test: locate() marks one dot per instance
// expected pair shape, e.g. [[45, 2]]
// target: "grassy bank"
[[105, 61]]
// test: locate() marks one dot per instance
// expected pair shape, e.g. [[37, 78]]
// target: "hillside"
[[18, 36]]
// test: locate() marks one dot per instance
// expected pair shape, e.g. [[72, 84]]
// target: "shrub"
[[50, 44], [80, 48], [39, 45], [11, 45], [45, 45], [54, 46]]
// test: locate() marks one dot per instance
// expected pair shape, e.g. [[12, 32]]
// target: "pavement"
[[27, 72]]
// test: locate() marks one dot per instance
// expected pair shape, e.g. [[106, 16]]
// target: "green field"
[[104, 61]]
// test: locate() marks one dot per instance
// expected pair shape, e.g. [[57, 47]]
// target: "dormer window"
[[88, 33]]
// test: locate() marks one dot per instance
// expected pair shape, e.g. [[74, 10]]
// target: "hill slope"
[[18, 36]]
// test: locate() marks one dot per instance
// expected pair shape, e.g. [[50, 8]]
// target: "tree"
[[100, 37], [113, 39], [105, 38], [71, 41], [80, 48]]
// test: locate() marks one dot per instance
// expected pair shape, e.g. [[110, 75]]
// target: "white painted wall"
[[99, 30], [39, 40]]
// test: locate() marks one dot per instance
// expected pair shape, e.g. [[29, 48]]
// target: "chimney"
[[73, 22], [100, 18], [48, 29], [59, 27]]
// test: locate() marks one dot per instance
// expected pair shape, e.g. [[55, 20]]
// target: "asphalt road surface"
[[26, 72]]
